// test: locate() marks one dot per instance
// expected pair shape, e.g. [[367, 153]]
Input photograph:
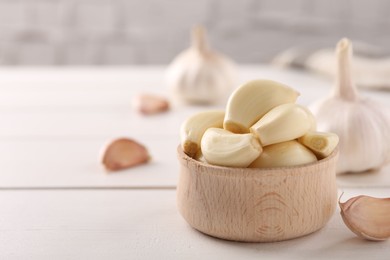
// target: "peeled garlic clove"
[[150, 104], [367, 217], [123, 153], [200, 75], [199, 157], [362, 125], [252, 101], [283, 123], [284, 154], [193, 128], [322, 144], [223, 148]]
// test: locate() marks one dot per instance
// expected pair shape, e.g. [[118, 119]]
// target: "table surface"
[[57, 202]]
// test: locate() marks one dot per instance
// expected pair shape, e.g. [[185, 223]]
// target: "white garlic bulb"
[[199, 75], [362, 125]]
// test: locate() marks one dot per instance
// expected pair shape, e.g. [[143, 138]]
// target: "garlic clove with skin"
[[149, 104], [123, 153], [200, 75], [362, 125], [367, 217]]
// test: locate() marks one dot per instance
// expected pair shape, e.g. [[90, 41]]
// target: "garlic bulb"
[[362, 126], [199, 75]]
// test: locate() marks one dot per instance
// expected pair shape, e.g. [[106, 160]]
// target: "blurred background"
[[120, 32]]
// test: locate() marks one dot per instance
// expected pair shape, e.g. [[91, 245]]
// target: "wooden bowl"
[[257, 205]]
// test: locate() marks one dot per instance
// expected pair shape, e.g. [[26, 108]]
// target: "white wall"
[[46, 32]]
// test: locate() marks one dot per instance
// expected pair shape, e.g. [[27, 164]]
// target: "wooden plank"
[[114, 86], [57, 121], [137, 224], [86, 101], [379, 178], [74, 162], [47, 107]]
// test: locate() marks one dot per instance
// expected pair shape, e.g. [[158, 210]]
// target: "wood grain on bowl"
[[257, 205]]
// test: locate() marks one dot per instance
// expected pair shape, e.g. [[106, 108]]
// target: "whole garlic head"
[[199, 75], [362, 125]]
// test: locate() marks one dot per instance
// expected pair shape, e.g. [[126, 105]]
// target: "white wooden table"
[[56, 202]]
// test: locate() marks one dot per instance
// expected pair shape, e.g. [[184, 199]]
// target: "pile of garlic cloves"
[[262, 127], [361, 124]]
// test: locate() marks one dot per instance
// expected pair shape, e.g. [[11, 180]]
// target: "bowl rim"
[[184, 157]]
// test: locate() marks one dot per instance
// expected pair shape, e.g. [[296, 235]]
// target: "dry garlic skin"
[[284, 154], [223, 148], [251, 101]]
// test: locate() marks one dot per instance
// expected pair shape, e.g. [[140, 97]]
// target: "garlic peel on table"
[[362, 125], [367, 217], [200, 75]]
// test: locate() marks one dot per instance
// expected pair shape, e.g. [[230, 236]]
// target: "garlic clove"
[[123, 153], [193, 128], [200, 75], [150, 104], [253, 100], [199, 157], [283, 123], [367, 217], [223, 148], [284, 154], [362, 125], [322, 144]]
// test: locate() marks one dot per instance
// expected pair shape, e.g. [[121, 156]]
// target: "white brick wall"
[[61, 32]]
